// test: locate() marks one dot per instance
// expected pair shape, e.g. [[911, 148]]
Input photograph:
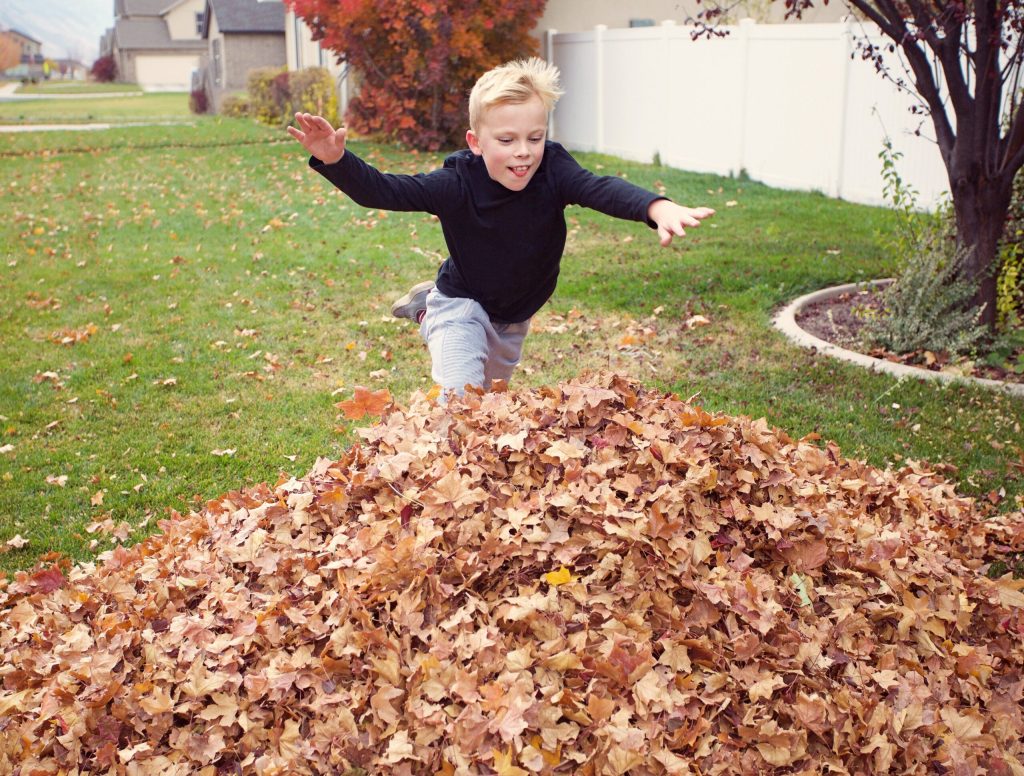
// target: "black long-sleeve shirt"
[[505, 246]]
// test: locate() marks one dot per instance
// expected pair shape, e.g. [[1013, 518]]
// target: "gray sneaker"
[[413, 303]]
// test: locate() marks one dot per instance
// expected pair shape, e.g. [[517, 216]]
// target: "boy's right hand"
[[319, 138]]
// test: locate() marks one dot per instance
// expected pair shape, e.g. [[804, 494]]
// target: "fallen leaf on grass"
[[16, 541], [365, 402], [73, 336]]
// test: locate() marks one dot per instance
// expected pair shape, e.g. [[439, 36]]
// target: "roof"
[[245, 16], [29, 37], [150, 34], [139, 7], [170, 5]]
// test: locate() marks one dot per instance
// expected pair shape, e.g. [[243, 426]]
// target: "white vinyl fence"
[[785, 102]]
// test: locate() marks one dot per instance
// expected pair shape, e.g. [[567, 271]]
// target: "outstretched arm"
[[317, 136], [672, 218]]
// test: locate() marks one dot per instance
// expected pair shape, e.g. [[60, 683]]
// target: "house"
[[240, 36], [156, 43], [31, 60], [302, 52]]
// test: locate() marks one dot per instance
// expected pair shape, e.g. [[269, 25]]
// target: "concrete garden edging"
[[785, 321]]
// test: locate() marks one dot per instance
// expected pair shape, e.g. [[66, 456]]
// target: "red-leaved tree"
[[418, 59], [104, 69]]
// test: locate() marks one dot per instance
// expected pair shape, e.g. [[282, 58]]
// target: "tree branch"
[[894, 32]]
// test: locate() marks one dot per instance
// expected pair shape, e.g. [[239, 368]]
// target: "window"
[[199, 24]]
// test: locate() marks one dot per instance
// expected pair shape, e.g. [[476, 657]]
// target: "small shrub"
[[104, 69], [236, 106], [928, 306], [313, 91], [264, 96], [198, 102], [275, 94]]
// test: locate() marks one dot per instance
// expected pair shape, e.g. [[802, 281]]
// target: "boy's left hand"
[[671, 218]]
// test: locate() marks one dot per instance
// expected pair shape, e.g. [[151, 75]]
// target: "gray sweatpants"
[[466, 347]]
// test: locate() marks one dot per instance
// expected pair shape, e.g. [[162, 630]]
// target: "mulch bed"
[[592, 578], [840, 321]]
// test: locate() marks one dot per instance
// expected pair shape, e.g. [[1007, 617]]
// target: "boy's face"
[[510, 138]]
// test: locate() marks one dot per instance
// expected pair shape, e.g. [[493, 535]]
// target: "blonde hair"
[[514, 82]]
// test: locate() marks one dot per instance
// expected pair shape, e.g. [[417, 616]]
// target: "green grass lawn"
[[166, 106], [224, 298], [76, 87]]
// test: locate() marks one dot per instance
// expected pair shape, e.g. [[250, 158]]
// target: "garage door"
[[165, 73]]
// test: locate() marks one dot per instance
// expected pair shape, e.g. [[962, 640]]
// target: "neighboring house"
[[32, 59], [241, 35], [303, 52], [156, 43]]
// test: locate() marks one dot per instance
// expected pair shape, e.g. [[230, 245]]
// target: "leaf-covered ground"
[[593, 578]]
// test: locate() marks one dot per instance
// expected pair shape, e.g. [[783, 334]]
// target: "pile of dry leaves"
[[593, 578]]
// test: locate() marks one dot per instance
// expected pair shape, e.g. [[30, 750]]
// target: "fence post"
[[599, 31], [844, 105], [746, 26], [549, 55]]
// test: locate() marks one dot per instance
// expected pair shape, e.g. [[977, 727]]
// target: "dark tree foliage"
[[104, 69]]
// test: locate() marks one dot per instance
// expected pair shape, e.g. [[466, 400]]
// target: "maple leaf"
[[157, 702], [199, 681], [503, 764], [365, 402], [47, 580], [560, 577]]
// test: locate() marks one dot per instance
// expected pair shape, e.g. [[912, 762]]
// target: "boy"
[[500, 203]]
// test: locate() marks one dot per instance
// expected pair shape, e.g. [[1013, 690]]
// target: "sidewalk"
[[7, 93], [77, 127]]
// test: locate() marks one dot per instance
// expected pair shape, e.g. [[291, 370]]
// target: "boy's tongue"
[[520, 172]]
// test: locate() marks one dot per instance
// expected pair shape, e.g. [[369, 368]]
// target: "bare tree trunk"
[[980, 206]]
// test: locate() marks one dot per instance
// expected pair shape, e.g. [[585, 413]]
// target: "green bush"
[[236, 106], [928, 306], [264, 99], [275, 94], [1010, 274], [313, 91]]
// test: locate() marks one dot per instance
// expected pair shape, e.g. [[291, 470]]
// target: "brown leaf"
[[365, 402]]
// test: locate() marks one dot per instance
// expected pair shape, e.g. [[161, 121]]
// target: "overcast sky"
[[66, 27]]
